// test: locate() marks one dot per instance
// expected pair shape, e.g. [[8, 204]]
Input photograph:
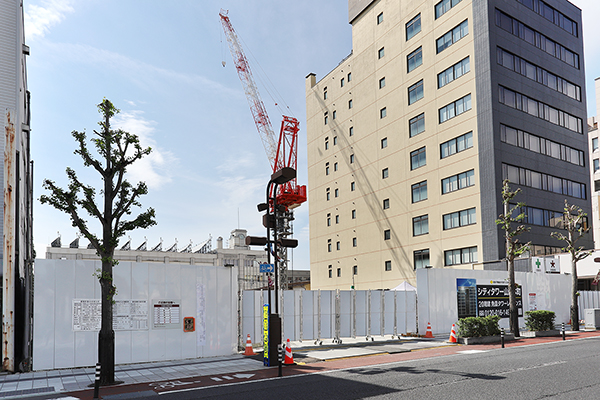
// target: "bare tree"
[[575, 223], [117, 150], [513, 247]]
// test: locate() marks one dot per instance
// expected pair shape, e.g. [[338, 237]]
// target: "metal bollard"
[[281, 355], [563, 330], [97, 382], [502, 337]]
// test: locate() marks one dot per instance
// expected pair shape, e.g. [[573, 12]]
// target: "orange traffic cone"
[[289, 358], [452, 335], [249, 351], [428, 334]]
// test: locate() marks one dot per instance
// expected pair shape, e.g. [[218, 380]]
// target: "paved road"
[[560, 370]]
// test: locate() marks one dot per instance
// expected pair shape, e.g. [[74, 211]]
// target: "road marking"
[[532, 367], [227, 377], [243, 376], [216, 379], [472, 351]]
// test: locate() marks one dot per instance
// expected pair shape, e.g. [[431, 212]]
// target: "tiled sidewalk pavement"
[[67, 380]]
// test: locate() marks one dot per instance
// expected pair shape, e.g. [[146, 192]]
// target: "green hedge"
[[540, 320], [478, 326]]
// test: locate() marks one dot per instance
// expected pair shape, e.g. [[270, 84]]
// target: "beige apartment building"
[[411, 136]]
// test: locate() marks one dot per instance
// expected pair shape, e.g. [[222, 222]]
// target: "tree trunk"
[[512, 299], [106, 337], [574, 304]]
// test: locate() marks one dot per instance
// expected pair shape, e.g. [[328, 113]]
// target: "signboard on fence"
[[480, 300]]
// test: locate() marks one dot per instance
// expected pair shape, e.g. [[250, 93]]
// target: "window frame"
[[415, 27]]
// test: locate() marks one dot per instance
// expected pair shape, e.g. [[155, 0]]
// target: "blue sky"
[[160, 62]]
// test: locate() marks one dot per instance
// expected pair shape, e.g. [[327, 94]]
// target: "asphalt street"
[[557, 370]]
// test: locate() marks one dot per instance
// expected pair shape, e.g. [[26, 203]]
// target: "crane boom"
[[284, 152], [257, 107]]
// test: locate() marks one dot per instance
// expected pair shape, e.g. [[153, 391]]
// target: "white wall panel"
[[58, 282]]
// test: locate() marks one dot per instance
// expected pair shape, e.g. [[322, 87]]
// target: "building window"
[[595, 144], [460, 256], [328, 193], [386, 204], [352, 186], [457, 182], [382, 83], [419, 191], [354, 242], [413, 27], [417, 158], [388, 265], [538, 74], [351, 131], [387, 234], [443, 7], [539, 109], [351, 158], [452, 36], [551, 14], [326, 117], [329, 269], [350, 103], [384, 173], [328, 219], [353, 214], [329, 245], [415, 92], [538, 144], [325, 93], [454, 72], [456, 145], [337, 219], [455, 108], [382, 112], [542, 217], [535, 38], [379, 18], [355, 270], [335, 140], [337, 192], [414, 59], [337, 245], [342, 82], [416, 125], [459, 218], [327, 143], [542, 181], [381, 52], [349, 76], [326, 168], [335, 166], [421, 225], [339, 272], [383, 143], [334, 115], [421, 258]]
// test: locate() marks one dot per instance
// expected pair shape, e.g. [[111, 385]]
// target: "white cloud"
[[156, 168], [40, 18]]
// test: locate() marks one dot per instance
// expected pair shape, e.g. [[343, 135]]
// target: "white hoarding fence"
[[327, 314]]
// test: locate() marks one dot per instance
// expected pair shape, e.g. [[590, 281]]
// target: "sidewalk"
[[167, 374]]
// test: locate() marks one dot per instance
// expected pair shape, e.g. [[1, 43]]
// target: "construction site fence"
[[587, 299], [319, 315]]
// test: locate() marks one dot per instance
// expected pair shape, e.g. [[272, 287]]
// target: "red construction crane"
[[284, 152]]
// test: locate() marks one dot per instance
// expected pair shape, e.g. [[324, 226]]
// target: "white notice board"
[[128, 315]]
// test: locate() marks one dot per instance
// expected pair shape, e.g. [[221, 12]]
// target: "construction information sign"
[[493, 300], [166, 314], [128, 315]]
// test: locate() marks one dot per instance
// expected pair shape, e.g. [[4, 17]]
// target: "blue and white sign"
[[267, 268]]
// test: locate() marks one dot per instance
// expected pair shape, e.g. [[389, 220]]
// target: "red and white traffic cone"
[[452, 335], [249, 351], [429, 334], [289, 358]]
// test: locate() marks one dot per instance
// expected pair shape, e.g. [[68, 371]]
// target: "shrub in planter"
[[540, 320], [478, 326]]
